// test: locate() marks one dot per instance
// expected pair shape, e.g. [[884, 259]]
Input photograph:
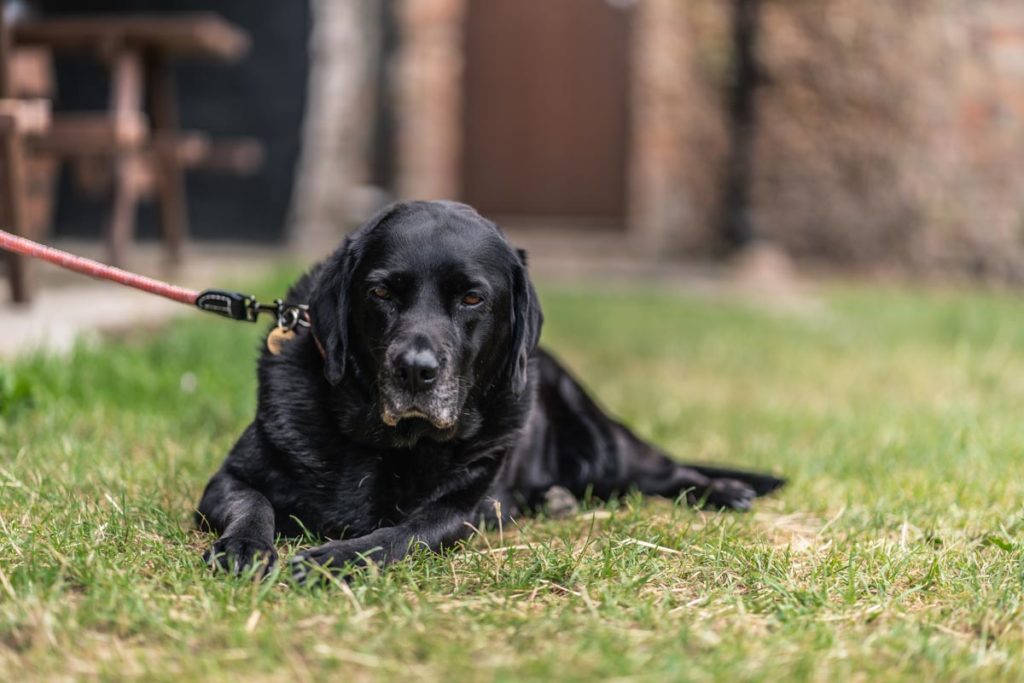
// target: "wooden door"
[[546, 116]]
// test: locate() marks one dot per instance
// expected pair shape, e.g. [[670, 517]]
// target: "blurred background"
[[634, 136]]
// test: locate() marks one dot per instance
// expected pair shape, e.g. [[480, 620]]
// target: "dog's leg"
[[438, 523], [245, 520], [584, 449], [674, 480], [763, 484], [654, 473]]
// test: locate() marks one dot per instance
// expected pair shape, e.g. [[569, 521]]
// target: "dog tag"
[[277, 338]]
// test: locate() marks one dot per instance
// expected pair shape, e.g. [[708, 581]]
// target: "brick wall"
[[895, 132], [890, 132]]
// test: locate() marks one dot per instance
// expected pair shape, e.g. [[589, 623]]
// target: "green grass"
[[895, 553]]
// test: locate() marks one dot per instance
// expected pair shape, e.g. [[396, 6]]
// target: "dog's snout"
[[417, 369]]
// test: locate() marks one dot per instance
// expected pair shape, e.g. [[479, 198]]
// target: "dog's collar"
[[319, 346]]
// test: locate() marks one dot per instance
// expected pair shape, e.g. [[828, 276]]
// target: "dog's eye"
[[381, 293], [472, 300]]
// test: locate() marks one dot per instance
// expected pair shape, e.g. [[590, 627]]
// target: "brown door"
[[546, 86]]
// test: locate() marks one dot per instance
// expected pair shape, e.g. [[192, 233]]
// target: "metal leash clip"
[[238, 306], [290, 316], [234, 305]]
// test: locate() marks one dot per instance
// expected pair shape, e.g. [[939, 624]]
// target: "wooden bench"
[[145, 154]]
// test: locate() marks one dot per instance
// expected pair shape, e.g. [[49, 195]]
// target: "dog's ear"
[[331, 297], [328, 310], [526, 321]]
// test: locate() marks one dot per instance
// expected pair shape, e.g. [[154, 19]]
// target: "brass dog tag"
[[277, 338]]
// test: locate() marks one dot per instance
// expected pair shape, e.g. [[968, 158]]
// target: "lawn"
[[895, 553]]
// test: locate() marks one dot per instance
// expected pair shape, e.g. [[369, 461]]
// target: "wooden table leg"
[[170, 177], [12, 207], [12, 212], [125, 102]]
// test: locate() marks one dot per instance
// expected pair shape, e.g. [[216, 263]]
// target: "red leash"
[[234, 305], [20, 245]]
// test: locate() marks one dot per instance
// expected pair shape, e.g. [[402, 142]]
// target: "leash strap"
[[26, 247], [233, 305]]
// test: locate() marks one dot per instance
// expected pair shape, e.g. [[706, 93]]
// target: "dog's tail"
[[763, 484]]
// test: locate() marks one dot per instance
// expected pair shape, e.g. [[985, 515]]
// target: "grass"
[[895, 553]]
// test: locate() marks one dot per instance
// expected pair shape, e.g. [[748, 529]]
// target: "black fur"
[[342, 447]]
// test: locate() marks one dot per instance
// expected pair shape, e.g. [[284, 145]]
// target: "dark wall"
[[263, 97]]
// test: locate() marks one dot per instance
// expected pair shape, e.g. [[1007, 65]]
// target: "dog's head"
[[429, 309]]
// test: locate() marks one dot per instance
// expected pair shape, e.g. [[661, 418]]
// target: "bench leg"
[[123, 207], [126, 81], [170, 177], [12, 211]]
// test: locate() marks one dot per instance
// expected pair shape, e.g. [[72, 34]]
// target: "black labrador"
[[420, 404]]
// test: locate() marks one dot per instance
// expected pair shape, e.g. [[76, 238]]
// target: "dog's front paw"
[[235, 554], [337, 558], [724, 494]]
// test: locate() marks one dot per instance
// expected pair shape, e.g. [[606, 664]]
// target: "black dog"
[[420, 404]]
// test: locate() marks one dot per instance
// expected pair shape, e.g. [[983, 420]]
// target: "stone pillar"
[[677, 139], [337, 134], [429, 98]]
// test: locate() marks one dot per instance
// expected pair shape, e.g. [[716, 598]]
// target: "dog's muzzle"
[[440, 407], [417, 385]]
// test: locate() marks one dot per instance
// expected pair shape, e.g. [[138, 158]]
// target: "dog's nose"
[[417, 369]]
